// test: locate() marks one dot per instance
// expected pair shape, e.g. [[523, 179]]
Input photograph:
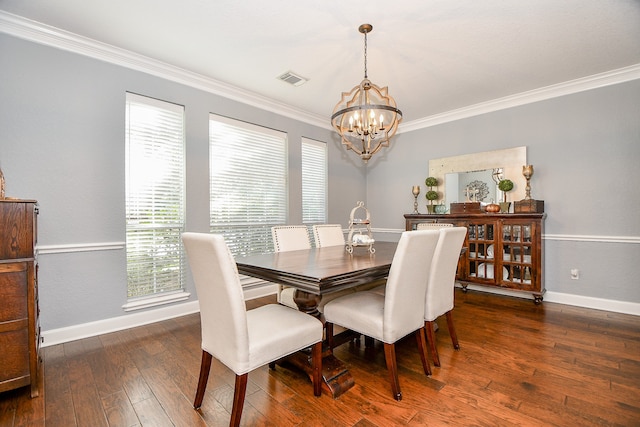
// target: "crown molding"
[[37, 32], [595, 81], [27, 29]]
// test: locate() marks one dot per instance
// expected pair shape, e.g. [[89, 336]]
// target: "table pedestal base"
[[336, 379]]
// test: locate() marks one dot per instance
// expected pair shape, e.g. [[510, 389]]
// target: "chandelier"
[[366, 117]]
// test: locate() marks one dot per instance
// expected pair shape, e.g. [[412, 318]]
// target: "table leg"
[[336, 377]]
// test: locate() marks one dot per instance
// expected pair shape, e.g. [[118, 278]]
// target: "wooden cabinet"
[[19, 326], [502, 250]]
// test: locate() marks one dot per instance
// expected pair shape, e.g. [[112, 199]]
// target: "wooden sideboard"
[[503, 250], [19, 325]]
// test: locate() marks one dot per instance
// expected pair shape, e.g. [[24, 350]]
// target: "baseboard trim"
[[567, 299], [105, 326], [91, 329], [71, 333], [595, 303]]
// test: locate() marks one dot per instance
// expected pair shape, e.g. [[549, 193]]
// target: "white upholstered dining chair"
[[400, 311], [289, 238], [242, 340], [439, 298], [328, 235], [420, 226]]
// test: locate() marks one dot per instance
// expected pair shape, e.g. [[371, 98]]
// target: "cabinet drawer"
[[14, 356], [17, 230], [13, 291]]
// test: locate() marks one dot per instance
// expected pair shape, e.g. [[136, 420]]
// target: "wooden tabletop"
[[322, 270]]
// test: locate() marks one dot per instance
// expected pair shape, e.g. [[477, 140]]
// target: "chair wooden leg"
[[316, 367], [328, 331], [452, 330], [431, 338], [392, 368], [205, 366], [422, 348], [238, 399]]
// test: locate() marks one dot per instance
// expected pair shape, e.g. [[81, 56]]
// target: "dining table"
[[316, 272]]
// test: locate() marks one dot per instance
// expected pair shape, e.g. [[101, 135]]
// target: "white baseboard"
[[595, 303], [568, 299], [91, 329]]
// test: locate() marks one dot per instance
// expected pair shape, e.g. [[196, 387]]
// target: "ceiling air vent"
[[292, 79]]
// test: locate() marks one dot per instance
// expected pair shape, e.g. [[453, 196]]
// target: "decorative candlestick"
[[527, 171], [415, 190], [528, 205]]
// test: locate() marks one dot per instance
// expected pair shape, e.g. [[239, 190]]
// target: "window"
[[155, 188], [248, 183], [314, 181]]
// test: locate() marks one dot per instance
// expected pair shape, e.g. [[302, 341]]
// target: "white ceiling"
[[434, 55]]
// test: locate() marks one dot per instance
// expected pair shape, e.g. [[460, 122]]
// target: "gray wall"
[[585, 149], [62, 143]]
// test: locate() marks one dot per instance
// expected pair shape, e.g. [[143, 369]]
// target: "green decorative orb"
[[505, 185], [431, 182], [431, 195]]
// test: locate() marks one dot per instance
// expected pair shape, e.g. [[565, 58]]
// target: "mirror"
[[452, 171], [474, 186]]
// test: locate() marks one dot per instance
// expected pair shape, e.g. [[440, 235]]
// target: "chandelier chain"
[[365, 55]]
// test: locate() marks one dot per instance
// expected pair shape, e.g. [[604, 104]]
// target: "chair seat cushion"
[[366, 319], [269, 340]]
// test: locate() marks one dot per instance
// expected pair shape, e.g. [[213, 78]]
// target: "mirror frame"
[[510, 160]]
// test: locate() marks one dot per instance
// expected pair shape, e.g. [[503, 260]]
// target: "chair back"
[[223, 313], [407, 284], [290, 238], [432, 225], [440, 292], [328, 235]]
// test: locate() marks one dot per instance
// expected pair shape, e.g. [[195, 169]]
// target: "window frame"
[[154, 211]]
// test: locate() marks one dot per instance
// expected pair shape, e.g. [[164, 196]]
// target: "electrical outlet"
[[575, 274]]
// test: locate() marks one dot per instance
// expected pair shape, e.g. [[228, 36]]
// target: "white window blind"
[[314, 181], [155, 188], [248, 183]]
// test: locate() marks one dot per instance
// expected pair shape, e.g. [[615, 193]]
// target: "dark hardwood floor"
[[519, 365]]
